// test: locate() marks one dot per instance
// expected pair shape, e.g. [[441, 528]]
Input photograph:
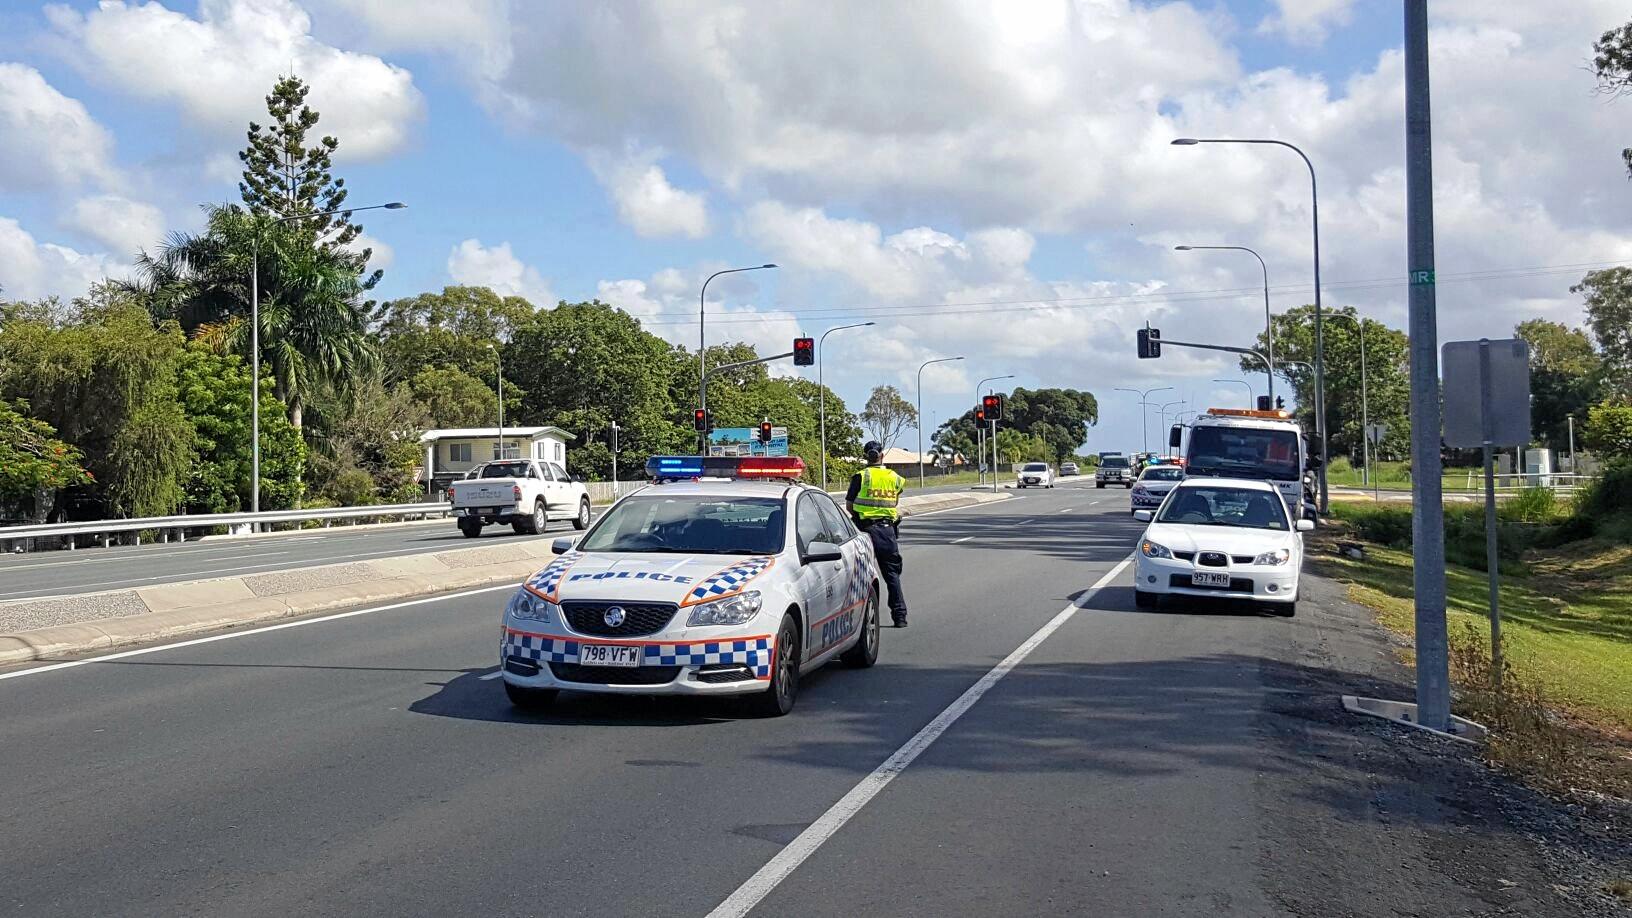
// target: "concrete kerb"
[[173, 610]]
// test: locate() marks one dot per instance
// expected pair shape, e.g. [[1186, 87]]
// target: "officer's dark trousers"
[[887, 548]]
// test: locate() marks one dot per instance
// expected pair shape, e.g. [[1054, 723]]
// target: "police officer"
[[873, 500]]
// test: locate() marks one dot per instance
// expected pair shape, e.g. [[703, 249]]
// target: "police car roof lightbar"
[[677, 468]]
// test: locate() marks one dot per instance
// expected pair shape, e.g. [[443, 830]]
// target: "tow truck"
[[1252, 444]]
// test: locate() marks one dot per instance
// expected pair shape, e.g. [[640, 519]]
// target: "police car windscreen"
[[691, 524], [1163, 473], [1244, 452]]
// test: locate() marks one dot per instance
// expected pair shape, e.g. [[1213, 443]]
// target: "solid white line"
[[262, 630], [956, 541], [1022, 522], [492, 675], [760, 885], [1068, 509]]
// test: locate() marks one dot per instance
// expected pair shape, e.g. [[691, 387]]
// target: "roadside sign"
[[1509, 379], [744, 441], [1376, 432]]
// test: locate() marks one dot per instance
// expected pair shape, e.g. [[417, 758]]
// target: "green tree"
[[1014, 446], [1612, 64], [104, 375], [454, 398], [1608, 300], [214, 393], [1388, 381], [886, 414], [1609, 431], [33, 462], [1565, 374], [368, 430], [283, 177], [1059, 417], [454, 328]]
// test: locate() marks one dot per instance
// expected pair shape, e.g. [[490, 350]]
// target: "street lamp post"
[[255, 339], [982, 431], [500, 358], [702, 348], [1320, 341], [821, 391], [1144, 401], [921, 413], [1167, 406], [1269, 320], [1365, 411], [1251, 397]]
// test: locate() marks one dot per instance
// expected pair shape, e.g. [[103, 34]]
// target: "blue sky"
[[996, 153]]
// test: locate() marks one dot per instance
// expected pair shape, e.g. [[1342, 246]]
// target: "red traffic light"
[[980, 415], [765, 432], [804, 352], [993, 407], [699, 419]]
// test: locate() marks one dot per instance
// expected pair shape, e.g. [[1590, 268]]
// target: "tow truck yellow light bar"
[[1278, 414]]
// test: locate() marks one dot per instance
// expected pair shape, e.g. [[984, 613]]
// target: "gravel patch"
[[481, 557], [278, 583], [30, 614]]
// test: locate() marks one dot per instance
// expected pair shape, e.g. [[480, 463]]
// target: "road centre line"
[[1068, 509], [956, 541], [492, 675], [141, 651], [767, 878]]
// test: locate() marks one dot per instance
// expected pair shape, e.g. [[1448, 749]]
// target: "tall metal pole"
[[993, 422], [500, 357], [1365, 411], [702, 348], [615, 488], [982, 430], [1269, 318], [1571, 420], [1251, 395], [1167, 406], [1320, 341], [821, 391], [1428, 518], [921, 414], [1492, 560], [1144, 403]]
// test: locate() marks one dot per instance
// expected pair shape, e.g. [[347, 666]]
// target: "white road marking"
[[491, 676], [141, 651], [760, 885], [122, 557], [956, 541], [1022, 522], [1068, 509]]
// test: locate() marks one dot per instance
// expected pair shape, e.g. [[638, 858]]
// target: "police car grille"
[[638, 618], [614, 675]]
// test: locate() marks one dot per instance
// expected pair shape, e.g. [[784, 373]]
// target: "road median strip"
[[64, 625]]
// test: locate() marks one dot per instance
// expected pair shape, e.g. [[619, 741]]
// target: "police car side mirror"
[[562, 545], [821, 551]]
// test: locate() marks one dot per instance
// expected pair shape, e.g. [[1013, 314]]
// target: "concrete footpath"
[[37, 629]]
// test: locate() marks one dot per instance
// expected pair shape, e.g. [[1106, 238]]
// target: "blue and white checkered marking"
[[754, 653], [547, 582], [731, 580]]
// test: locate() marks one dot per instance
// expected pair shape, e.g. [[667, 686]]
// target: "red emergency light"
[[771, 467]]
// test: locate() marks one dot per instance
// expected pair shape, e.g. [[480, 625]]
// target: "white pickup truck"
[[526, 493]]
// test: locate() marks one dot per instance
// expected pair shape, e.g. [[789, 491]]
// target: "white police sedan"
[[725, 577], [1220, 537], [1152, 485]]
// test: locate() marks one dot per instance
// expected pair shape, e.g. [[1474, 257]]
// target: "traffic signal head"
[[700, 419], [1150, 343], [1264, 403], [980, 415], [804, 352], [993, 404], [764, 431]]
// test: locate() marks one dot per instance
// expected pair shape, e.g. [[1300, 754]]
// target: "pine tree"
[[283, 177]]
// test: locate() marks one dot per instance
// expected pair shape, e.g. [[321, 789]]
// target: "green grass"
[[1566, 622], [1391, 476]]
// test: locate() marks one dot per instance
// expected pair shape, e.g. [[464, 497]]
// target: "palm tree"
[[314, 329]]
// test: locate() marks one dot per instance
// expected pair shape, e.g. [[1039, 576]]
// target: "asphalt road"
[[55, 573], [362, 764]]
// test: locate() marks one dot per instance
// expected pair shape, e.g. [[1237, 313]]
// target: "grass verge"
[[1563, 714]]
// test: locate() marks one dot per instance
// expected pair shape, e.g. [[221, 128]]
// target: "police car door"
[[850, 595], [818, 584]]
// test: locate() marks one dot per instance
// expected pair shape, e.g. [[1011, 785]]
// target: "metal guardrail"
[[1518, 481], [164, 525]]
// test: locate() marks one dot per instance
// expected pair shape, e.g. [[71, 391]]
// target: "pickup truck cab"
[[526, 493]]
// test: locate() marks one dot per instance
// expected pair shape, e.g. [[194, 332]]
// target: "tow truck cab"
[[1245, 443]]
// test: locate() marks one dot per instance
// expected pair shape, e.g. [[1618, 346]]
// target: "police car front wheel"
[[779, 696]]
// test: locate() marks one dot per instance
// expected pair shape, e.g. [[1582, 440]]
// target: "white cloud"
[[476, 31], [123, 225], [667, 306], [648, 203], [383, 254], [32, 270], [218, 68], [1307, 22], [48, 140], [473, 264]]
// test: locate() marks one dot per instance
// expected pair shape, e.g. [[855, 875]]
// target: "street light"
[[1365, 411], [821, 391], [1170, 405], [1320, 340], [1144, 401], [500, 358], [981, 431], [921, 413], [702, 348], [1251, 398], [1269, 321], [255, 339]]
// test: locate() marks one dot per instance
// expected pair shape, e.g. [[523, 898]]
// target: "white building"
[[449, 454]]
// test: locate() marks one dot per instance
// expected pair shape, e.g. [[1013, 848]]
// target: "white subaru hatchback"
[[1220, 537], [698, 585]]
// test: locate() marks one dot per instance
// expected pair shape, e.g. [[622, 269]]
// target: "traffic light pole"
[[994, 456], [703, 436]]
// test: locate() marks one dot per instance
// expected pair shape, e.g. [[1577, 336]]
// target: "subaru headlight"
[[1153, 550], [1278, 556], [732, 610], [529, 606]]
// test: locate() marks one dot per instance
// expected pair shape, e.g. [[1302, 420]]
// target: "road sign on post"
[[1487, 404]]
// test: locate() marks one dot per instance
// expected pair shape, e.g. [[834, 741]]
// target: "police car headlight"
[[1154, 550], [529, 606], [732, 610], [1278, 556]]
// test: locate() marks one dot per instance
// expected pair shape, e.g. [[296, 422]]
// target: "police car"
[[724, 577]]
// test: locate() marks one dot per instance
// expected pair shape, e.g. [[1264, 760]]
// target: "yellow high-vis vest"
[[879, 494]]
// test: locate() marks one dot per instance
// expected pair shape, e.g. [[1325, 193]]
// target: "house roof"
[[530, 433]]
